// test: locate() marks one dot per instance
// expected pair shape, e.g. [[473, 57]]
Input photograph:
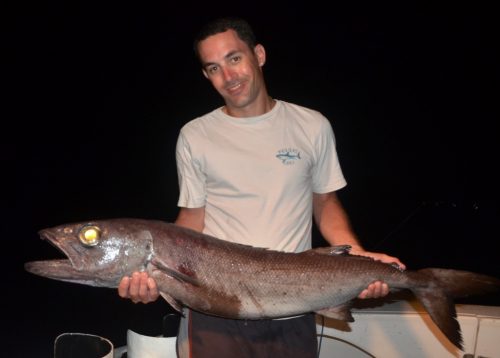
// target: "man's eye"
[[235, 59], [213, 69]]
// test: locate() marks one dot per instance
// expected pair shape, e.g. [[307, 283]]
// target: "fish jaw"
[[102, 265], [74, 269], [62, 270], [68, 246]]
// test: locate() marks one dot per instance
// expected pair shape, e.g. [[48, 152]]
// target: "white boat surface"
[[403, 329]]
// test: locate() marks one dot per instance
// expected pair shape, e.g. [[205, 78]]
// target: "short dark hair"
[[239, 25]]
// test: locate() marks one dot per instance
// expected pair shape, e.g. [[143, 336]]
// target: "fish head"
[[99, 253]]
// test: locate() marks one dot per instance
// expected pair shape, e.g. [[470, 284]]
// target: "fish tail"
[[441, 309], [444, 285], [458, 283]]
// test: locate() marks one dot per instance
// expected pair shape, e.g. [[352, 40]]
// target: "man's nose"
[[227, 73]]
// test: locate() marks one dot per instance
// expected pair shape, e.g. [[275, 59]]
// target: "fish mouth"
[[56, 269], [61, 269]]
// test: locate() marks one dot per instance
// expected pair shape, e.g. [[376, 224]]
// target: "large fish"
[[237, 281]]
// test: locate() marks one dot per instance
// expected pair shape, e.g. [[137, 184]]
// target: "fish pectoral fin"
[[172, 302], [175, 274], [331, 250], [341, 312]]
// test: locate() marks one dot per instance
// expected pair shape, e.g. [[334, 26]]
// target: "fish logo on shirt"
[[288, 156]]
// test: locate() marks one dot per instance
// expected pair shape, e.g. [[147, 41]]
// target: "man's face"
[[233, 69]]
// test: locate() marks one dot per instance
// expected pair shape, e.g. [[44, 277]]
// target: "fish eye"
[[89, 235]]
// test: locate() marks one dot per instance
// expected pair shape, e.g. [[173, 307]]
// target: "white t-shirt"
[[255, 176]]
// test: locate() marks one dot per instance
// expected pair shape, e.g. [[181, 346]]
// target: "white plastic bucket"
[[82, 345], [140, 346]]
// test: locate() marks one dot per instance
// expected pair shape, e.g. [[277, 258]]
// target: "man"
[[255, 171]]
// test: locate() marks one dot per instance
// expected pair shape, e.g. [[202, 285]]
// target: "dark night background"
[[95, 95]]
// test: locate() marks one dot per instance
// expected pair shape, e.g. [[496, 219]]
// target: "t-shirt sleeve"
[[191, 177], [327, 174]]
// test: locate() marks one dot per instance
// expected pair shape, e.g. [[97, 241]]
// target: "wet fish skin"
[[237, 281]]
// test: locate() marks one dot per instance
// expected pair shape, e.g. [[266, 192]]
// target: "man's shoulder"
[[303, 113], [201, 121]]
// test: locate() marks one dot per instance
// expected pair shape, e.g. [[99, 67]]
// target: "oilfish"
[[231, 280]]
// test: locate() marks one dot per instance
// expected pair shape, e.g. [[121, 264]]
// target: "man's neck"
[[256, 109]]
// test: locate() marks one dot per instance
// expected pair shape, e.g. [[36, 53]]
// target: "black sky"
[[96, 95]]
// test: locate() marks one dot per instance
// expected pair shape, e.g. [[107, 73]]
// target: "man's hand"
[[139, 288], [377, 289]]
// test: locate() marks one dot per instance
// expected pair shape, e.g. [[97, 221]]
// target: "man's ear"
[[260, 53], [204, 73]]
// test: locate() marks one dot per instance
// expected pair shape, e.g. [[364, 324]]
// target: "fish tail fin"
[[458, 283], [442, 311], [444, 285]]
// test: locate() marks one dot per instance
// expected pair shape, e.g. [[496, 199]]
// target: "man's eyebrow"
[[227, 56], [205, 65], [231, 54]]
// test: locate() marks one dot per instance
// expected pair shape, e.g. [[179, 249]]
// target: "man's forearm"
[[332, 221], [192, 218]]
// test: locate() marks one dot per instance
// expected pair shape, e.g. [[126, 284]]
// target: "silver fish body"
[[237, 281]]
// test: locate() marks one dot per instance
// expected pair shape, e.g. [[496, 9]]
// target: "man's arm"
[[142, 288], [192, 218], [333, 224]]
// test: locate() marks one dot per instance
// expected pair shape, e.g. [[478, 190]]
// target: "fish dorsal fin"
[[331, 250], [175, 274], [341, 312]]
